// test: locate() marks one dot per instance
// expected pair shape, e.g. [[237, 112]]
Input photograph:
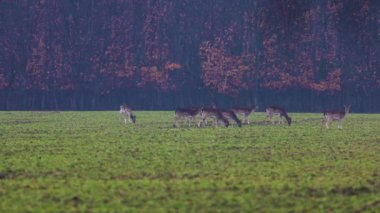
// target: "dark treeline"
[[160, 54]]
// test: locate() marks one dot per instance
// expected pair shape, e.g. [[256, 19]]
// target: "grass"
[[91, 161]]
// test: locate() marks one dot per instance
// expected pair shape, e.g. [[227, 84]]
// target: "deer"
[[185, 113], [126, 113], [280, 112], [215, 114], [336, 116], [245, 112], [229, 114]]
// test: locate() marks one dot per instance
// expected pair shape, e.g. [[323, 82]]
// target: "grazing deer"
[[126, 113], [280, 112], [187, 114], [229, 114], [336, 116], [215, 114], [245, 112]]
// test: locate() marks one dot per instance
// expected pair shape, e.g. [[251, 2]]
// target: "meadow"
[[91, 161]]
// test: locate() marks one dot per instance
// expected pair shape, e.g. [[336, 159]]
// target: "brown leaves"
[[160, 78], [117, 44], [172, 66], [332, 82], [222, 71]]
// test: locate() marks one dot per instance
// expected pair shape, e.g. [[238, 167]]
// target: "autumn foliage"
[[226, 46]]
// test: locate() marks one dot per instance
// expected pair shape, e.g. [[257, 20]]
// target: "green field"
[[91, 161]]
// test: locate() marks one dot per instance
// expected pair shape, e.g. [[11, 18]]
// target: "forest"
[[162, 54]]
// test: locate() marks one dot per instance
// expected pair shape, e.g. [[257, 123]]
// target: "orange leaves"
[[158, 77], [155, 77], [221, 71], [118, 44], [172, 66], [332, 82], [276, 79]]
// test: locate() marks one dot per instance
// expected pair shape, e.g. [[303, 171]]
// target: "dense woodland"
[[161, 54]]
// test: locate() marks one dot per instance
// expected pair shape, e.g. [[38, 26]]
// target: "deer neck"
[[346, 111]]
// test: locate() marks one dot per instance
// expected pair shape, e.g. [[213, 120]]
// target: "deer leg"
[[327, 124], [340, 125], [202, 120], [232, 123], [270, 118], [175, 124], [199, 123]]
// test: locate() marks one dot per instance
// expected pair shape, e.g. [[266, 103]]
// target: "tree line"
[[162, 54]]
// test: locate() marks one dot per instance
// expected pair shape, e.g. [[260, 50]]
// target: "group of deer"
[[224, 116]]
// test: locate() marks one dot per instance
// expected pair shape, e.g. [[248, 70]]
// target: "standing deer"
[[187, 114], [336, 116], [245, 112], [126, 113], [280, 112], [229, 114], [215, 114]]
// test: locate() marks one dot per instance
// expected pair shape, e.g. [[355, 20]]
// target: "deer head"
[[347, 108]]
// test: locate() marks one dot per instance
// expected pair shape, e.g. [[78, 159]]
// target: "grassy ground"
[[91, 161]]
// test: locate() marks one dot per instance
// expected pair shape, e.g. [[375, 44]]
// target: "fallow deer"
[[215, 114], [278, 111], [336, 116], [188, 114], [126, 113], [229, 114], [245, 112]]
